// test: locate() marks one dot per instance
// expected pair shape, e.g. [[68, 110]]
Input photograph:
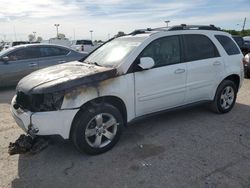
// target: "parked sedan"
[[19, 61]]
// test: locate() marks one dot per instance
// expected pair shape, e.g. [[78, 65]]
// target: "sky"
[[19, 18]]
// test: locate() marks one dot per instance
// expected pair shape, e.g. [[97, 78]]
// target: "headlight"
[[40, 102]]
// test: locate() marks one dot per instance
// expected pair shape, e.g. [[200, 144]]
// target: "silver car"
[[19, 61]]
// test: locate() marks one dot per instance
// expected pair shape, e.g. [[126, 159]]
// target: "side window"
[[164, 51], [198, 47], [25, 53], [227, 43], [53, 51]]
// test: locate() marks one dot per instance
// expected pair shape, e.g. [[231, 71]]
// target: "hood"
[[64, 77]]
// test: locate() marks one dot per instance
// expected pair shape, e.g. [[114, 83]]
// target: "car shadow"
[[174, 143]]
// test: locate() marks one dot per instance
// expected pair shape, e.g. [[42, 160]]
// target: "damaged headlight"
[[40, 102], [48, 102]]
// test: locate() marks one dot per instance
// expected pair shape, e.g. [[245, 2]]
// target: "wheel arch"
[[234, 78], [113, 100]]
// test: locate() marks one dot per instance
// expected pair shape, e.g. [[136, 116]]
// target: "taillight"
[[245, 60]]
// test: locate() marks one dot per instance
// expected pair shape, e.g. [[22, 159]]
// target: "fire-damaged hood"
[[64, 77]]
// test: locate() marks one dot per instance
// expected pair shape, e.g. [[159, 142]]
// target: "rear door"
[[204, 65], [52, 55], [21, 62]]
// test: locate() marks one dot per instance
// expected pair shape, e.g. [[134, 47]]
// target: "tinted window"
[[199, 47], [86, 42], [228, 44], [164, 51], [19, 43], [53, 51], [25, 53]]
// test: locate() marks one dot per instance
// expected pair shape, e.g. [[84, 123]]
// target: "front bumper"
[[44, 123]]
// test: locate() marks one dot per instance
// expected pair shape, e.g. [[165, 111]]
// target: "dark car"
[[244, 46], [19, 61]]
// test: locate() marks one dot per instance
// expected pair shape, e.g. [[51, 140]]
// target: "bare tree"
[[120, 33], [31, 37], [39, 39]]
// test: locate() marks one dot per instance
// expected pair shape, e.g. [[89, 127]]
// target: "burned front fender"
[[44, 90]]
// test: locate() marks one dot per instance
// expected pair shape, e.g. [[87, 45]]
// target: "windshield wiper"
[[92, 63]]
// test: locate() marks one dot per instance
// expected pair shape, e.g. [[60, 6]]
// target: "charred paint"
[[64, 77]]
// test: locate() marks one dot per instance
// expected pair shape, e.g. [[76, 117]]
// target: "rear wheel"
[[98, 129], [225, 97]]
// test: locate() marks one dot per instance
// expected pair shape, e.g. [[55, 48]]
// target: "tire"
[[97, 129], [225, 97]]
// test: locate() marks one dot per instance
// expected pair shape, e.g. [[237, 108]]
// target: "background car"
[[247, 65], [19, 61], [83, 45], [244, 45]]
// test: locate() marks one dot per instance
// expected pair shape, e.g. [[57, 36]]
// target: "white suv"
[[127, 78]]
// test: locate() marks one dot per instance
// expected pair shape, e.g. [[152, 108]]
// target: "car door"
[[204, 65], [164, 85], [53, 55], [20, 63]]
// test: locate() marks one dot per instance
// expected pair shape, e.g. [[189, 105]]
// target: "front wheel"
[[97, 129], [225, 97]]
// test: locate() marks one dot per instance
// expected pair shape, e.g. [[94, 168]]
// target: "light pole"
[[167, 21], [57, 25], [34, 33], [91, 34]]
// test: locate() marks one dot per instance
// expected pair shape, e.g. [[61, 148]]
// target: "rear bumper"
[[45, 123]]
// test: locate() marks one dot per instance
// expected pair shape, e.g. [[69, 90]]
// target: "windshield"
[[4, 52], [113, 52]]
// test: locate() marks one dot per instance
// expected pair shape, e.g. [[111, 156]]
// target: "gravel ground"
[[185, 148]]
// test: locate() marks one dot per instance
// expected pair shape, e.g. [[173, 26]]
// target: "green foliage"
[[241, 33]]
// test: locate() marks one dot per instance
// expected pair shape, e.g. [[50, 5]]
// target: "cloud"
[[109, 16]]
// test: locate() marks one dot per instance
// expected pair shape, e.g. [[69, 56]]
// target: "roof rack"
[[176, 28], [194, 27]]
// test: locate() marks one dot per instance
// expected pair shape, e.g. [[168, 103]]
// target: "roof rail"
[[194, 27]]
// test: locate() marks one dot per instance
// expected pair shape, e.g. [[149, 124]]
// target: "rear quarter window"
[[228, 44]]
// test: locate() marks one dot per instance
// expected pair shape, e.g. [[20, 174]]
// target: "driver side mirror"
[[146, 63], [5, 59]]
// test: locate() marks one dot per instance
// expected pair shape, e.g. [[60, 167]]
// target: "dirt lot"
[[185, 148]]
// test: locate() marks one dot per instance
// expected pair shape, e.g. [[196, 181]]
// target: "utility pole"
[[56, 25], [244, 24], [14, 28]]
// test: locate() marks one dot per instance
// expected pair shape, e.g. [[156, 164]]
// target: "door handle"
[[61, 61], [179, 71], [32, 64], [217, 63]]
